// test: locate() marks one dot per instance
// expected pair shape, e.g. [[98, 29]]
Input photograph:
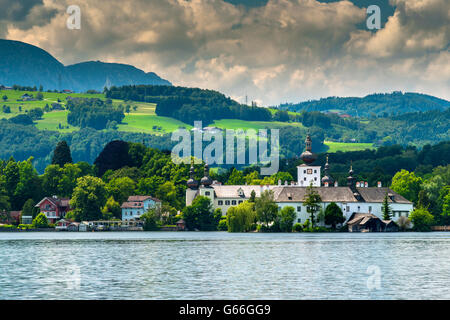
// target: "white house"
[[356, 197], [136, 206]]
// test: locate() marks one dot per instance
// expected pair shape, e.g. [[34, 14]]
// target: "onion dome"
[[327, 177], [206, 180], [307, 156], [192, 183]]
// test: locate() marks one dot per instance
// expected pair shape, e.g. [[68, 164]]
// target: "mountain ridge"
[[28, 65]]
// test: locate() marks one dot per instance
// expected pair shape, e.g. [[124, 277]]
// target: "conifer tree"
[[386, 208], [62, 155]]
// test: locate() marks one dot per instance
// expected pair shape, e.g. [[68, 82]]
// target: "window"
[[370, 208], [309, 171], [233, 202], [399, 214], [315, 178], [220, 202], [240, 201], [227, 202], [359, 208], [407, 214], [304, 171], [299, 220], [207, 193], [347, 208], [304, 178], [393, 214], [299, 208], [315, 171]]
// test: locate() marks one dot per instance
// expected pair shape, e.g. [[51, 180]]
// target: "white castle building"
[[356, 197]]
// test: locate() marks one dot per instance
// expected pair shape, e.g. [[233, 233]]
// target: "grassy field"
[[347, 146], [142, 118]]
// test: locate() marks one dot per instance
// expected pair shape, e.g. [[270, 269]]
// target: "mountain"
[[27, 65], [96, 74], [380, 104]]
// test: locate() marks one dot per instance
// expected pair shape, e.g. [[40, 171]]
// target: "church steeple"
[[206, 180], [327, 179], [350, 179], [307, 156], [192, 183]]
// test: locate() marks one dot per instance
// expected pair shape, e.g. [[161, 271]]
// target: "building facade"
[[356, 197], [54, 208], [136, 206]]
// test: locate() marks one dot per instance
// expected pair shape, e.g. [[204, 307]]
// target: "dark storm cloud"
[[273, 51]]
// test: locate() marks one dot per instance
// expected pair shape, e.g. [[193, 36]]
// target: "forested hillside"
[[380, 104], [189, 104]]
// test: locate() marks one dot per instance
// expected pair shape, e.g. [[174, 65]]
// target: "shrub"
[[297, 227], [223, 225], [421, 219], [40, 221]]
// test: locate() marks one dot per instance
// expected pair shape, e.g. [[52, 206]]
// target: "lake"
[[220, 265]]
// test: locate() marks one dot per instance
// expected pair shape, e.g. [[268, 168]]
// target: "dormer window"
[[240, 192]]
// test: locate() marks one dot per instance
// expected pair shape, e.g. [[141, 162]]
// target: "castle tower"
[[327, 180], [192, 190], [308, 174]]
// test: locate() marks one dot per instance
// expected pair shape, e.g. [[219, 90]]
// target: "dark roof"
[[328, 194], [376, 194]]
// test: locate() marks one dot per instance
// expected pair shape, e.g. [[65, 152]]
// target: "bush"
[[40, 221], [297, 227], [223, 225], [7, 226], [421, 219]]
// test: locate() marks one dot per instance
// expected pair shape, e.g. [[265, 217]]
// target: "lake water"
[[220, 265]]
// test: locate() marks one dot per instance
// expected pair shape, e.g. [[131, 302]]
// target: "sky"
[[273, 51]]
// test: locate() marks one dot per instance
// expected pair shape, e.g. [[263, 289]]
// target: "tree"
[[333, 215], [407, 184], [120, 188], [286, 219], [446, 209], [236, 178], [152, 220], [404, 223], [5, 206], [62, 155], [242, 217], [266, 208], [5, 98], [89, 197], [200, 215], [114, 156], [252, 196], [111, 210], [386, 208], [28, 209], [40, 221], [312, 202], [422, 220]]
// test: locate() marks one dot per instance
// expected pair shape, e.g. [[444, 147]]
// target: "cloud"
[[282, 50]]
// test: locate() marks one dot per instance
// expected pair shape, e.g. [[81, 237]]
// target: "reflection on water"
[[219, 265]]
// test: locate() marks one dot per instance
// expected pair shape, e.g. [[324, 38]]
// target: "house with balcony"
[[54, 208], [136, 206]]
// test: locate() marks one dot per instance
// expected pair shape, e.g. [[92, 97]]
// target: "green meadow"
[[347, 146], [141, 118]]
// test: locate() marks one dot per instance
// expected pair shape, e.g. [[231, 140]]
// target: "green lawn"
[[150, 124], [347, 146], [51, 121]]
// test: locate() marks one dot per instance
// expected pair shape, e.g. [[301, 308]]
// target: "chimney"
[[326, 184], [366, 184], [285, 183], [279, 182], [379, 184], [292, 183], [336, 184]]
